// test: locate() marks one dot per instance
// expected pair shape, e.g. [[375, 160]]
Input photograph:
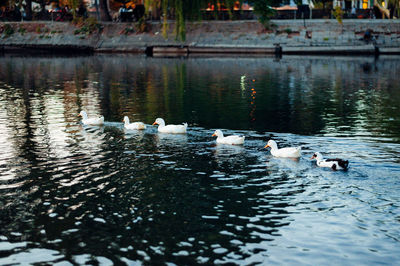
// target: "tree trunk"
[[28, 9], [104, 14]]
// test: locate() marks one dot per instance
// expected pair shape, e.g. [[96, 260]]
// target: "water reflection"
[[78, 194], [312, 96]]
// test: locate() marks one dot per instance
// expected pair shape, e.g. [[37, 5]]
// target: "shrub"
[[288, 30], [92, 25], [8, 30], [338, 14], [22, 30], [88, 26], [142, 25], [128, 30], [264, 11]]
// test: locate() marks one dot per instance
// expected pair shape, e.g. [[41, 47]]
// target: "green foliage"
[[288, 30], [180, 29], [318, 5], [92, 24], [263, 10], [87, 26], [73, 5], [338, 14], [190, 10], [78, 21], [165, 18], [142, 26], [8, 30], [38, 30], [21, 30], [128, 30]]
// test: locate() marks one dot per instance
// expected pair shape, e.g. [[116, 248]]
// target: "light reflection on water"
[[71, 193]]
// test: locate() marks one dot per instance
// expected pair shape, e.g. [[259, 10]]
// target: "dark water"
[[72, 194]]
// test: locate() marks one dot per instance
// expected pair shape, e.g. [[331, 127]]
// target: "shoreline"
[[318, 37]]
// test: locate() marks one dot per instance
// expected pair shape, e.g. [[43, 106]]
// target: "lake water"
[[76, 194]]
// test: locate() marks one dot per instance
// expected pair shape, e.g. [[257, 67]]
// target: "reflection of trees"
[[293, 95], [39, 114]]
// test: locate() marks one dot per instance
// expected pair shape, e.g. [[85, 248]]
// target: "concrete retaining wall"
[[292, 36]]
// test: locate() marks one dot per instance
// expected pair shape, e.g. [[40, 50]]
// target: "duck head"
[[160, 122], [218, 133], [317, 156], [271, 144], [83, 114], [126, 120]]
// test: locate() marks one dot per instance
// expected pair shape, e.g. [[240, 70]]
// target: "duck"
[[289, 152], [134, 125], [231, 140], [172, 129], [335, 164], [94, 121]]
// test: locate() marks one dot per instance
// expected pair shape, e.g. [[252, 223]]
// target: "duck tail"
[[185, 125]]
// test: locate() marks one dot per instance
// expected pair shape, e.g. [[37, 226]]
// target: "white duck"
[[335, 164], [290, 152], [232, 140], [173, 129], [134, 125], [94, 121]]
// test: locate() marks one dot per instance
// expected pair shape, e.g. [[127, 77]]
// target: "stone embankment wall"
[[290, 36]]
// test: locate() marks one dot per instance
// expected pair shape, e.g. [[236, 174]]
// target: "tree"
[[191, 10], [264, 10], [28, 10], [104, 14]]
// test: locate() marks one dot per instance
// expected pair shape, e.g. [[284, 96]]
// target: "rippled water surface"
[[75, 194]]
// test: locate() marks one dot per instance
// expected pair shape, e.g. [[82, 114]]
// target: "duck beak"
[[267, 146], [213, 135], [155, 123], [312, 157], [79, 115]]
